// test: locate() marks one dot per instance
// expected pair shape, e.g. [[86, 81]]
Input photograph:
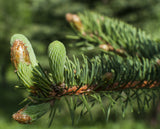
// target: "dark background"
[[43, 21]]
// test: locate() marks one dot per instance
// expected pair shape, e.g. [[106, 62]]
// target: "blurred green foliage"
[[43, 21]]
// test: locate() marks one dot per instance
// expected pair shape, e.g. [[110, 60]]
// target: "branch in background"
[[99, 29]]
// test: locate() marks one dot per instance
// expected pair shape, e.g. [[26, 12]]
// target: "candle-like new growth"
[[23, 58], [21, 38], [57, 58]]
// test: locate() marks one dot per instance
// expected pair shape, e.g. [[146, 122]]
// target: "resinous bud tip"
[[22, 118], [19, 53], [75, 20]]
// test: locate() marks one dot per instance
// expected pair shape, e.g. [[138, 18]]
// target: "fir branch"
[[106, 74], [119, 37], [121, 75], [112, 73]]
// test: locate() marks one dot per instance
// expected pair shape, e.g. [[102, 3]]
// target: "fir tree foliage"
[[126, 70], [117, 35]]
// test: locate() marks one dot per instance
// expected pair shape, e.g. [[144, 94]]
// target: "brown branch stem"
[[76, 90]]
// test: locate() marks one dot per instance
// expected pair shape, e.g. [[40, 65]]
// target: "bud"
[[21, 118], [75, 20], [69, 17], [57, 58], [19, 53], [158, 61], [107, 76], [21, 43], [104, 46], [30, 113]]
